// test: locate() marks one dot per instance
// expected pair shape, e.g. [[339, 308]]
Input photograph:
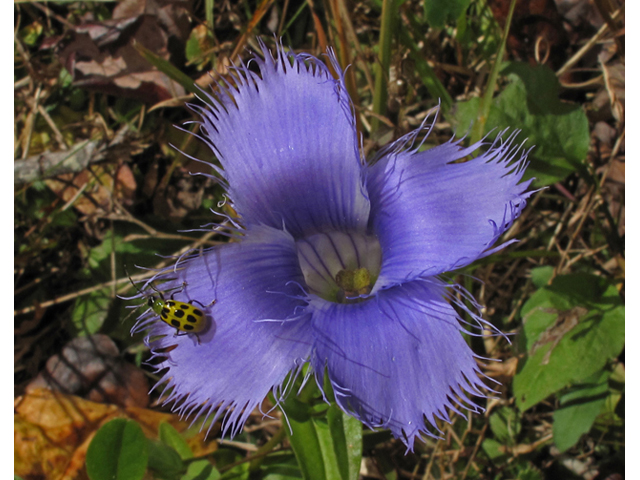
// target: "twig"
[[590, 202], [53, 126], [29, 123], [125, 280], [66, 298], [587, 46], [49, 164], [47, 11]]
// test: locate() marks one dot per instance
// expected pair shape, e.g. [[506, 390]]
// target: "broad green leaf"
[[540, 276], [579, 408], [614, 405], [325, 447], [559, 131], [90, 311], [117, 452], [164, 461], [230, 464], [199, 42], [201, 470], [239, 472], [327, 450], [31, 33], [346, 433], [494, 449], [529, 472], [173, 439], [572, 328], [505, 425], [66, 218], [285, 472], [439, 12], [192, 47], [304, 440], [101, 254], [280, 466]]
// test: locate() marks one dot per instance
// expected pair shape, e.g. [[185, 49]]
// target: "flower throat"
[[340, 267]]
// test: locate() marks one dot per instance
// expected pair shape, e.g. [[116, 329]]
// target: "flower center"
[[340, 267]]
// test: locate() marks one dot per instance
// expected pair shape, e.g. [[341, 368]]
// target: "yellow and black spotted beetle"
[[184, 317]]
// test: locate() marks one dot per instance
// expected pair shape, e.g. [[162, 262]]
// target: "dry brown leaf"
[[101, 56], [52, 432], [95, 188]]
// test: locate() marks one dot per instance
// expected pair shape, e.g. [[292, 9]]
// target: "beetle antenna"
[[153, 287], [157, 291], [131, 280]]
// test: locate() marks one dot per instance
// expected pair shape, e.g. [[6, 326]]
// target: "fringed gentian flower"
[[335, 261]]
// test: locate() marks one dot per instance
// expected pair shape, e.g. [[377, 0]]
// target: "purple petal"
[[396, 360], [432, 215], [257, 331], [288, 146]]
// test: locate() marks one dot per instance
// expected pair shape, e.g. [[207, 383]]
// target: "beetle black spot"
[[179, 313], [175, 323], [184, 306], [171, 303], [187, 327], [164, 313], [191, 319], [198, 312]]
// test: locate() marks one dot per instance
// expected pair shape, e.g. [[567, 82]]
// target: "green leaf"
[[494, 449], [31, 33], [505, 425], [192, 47], [439, 12], [540, 276], [578, 410], [280, 466], [100, 255], [239, 472], [325, 447], [66, 218], [173, 439], [285, 472], [164, 461], [199, 42], [572, 328], [304, 440], [466, 114], [346, 433], [528, 472], [167, 68], [559, 131], [201, 470], [117, 452], [90, 311]]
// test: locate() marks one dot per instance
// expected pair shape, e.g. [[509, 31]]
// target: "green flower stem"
[[387, 31], [486, 101], [260, 454]]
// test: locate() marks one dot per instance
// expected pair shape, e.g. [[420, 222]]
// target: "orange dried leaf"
[[52, 432]]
